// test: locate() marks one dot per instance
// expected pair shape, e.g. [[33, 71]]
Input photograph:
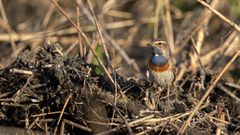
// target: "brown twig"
[[169, 26], [87, 41], [99, 28], [235, 26], [133, 123], [220, 50], [156, 23], [194, 27], [77, 125], [44, 114], [69, 31], [229, 93], [48, 16], [122, 117], [233, 85], [196, 108], [117, 13], [62, 112], [197, 53], [8, 28], [20, 71], [81, 51], [71, 47], [130, 61], [121, 51], [62, 128]]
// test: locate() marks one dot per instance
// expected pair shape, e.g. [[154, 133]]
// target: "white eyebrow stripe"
[[162, 42]]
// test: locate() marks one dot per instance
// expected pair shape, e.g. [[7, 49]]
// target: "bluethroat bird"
[[160, 66]]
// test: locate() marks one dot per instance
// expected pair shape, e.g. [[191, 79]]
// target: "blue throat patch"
[[159, 60]]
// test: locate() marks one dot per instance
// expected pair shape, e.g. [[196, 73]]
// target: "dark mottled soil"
[[36, 88]]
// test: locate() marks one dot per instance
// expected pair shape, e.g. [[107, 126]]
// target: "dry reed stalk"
[[62, 128], [87, 41], [230, 42], [71, 47], [196, 108], [194, 27], [131, 124], [99, 29], [121, 14], [62, 112], [129, 61], [225, 19], [77, 125], [69, 31], [48, 113], [195, 56], [8, 28], [125, 56], [80, 43], [227, 91], [200, 39], [20, 71], [156, 23], [168, 26], [196, 53], [235, 86], [108, 5], [90, 55], [48, 16]]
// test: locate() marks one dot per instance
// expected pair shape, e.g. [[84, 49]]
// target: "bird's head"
[[159, 46]]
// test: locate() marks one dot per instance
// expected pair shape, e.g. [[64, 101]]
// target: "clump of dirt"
[[46, 91]]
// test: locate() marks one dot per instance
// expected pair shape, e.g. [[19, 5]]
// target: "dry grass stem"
[[87, 41], [71, 47], [229, 93], [169, 26], [62, 112], [196, 54], [20, 71], [196, 108], [121, 14], [48, 16], [235, 26], [77, 125], [194, 27], [99, 29], [156, 23], [233, 85], [69, 31], [80, 42], [8, 28]]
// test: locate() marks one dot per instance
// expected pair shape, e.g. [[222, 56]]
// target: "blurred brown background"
[[127, 26]]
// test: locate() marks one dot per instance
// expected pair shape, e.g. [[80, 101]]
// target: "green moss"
[[100, 53], [235, 8]]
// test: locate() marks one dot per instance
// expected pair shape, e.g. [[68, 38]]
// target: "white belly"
[[162, 79]]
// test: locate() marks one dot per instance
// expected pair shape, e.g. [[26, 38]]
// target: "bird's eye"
[[159, 43]]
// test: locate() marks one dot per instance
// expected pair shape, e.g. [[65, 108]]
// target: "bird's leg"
[[159, 90], [148, 100], [168, 99], [152, 98], [146, 97]]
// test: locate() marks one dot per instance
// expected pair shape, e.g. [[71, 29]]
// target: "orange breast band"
[[159, 68]]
